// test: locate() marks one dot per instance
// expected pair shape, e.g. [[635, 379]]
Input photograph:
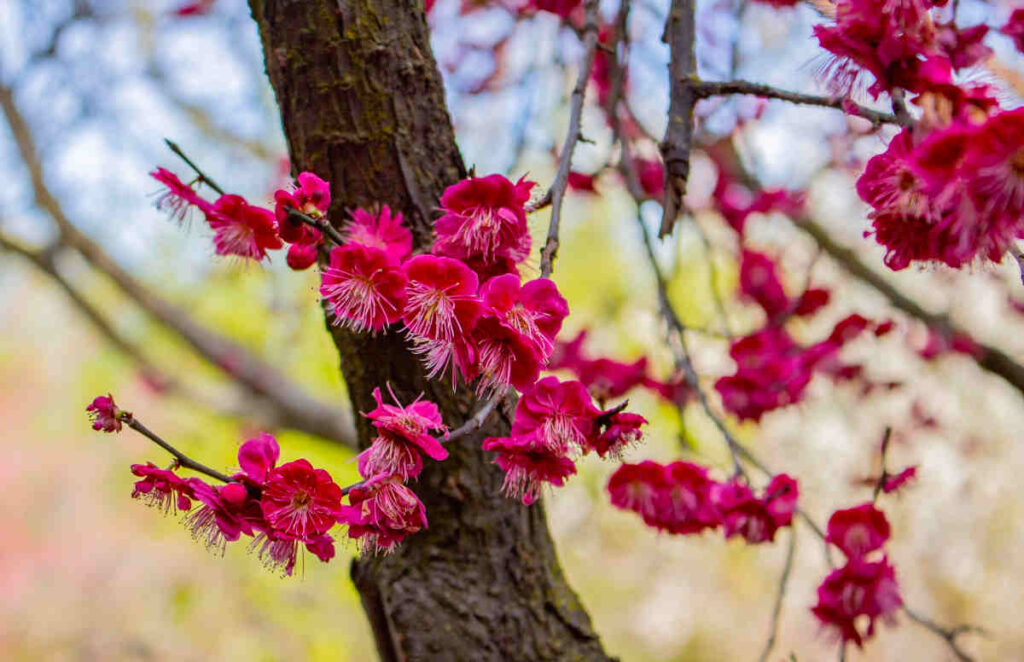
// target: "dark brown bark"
[[362, 104], [680, 35]]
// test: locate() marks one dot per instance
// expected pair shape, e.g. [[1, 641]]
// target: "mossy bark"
[[362, 104]]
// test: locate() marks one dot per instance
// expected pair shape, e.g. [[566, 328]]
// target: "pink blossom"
[[227, 512], [615, 431], [1014, 28], [858, 531], [382, 230], [242, 229], [755, 519], [560, 414], [637, 487], [441, 306], [502, 357], [161, 488], [651, 174], [106, 416], [485, 220], [858, 589], [535, 309], [760, 282], [673, 498], [312, 197], [895, 482], [179, 198], [772, 372], [606, 379], [382, 513], [257, 457], [887, 38], [302, 256], [528, 463], [364, 288], [582, 182], [299, 500], [403, 434], [964, 47]]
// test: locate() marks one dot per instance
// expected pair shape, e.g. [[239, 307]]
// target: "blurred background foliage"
[[87, 573]]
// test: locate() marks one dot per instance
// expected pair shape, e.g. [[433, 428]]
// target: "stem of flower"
[[182, 459], [202, 175]]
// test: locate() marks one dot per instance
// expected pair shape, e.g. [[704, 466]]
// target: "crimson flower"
[[528, 463], [242, 229], [857, 590], [484, 221], [364, 288], [161, 488], [382, 513], [299, 500], [382, 230], [106, 416], [858, 531], [403, 435]]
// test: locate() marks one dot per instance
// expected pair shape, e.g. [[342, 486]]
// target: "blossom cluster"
[[556, 422], [682, 498], [608, 379], [950, 193], [772, 369], [865, 588], [281, 507], [382, 509]]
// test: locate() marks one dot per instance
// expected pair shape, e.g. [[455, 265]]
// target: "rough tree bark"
[[362, 105]]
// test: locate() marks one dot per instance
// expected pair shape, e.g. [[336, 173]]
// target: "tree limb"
[[297, 409]]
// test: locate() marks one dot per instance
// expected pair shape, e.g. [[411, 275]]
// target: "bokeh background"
[[88, 573]]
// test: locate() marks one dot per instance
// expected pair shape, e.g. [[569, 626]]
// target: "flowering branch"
[[320, 224], [787, 569], [707, 89], [557, 190], [182, 459]]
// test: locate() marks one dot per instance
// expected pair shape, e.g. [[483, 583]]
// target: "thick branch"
[[298, 410], [236, 403], [680, 35], [989, 358]]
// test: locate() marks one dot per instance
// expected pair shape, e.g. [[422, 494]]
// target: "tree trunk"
[[362, 104]]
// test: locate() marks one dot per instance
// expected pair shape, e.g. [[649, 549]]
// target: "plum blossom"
[[364, 288]]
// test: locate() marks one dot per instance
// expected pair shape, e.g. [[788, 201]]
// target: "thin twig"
[[780, 595], [182, 459], [885, 473], [949, 634], [202, 175], [707, 89], [557, 190]]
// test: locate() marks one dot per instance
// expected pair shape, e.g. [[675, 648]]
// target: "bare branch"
[[989, 358], [557, 190], [780, 596], [707, 89], [949, 634], [298, 410], [680, 35]]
